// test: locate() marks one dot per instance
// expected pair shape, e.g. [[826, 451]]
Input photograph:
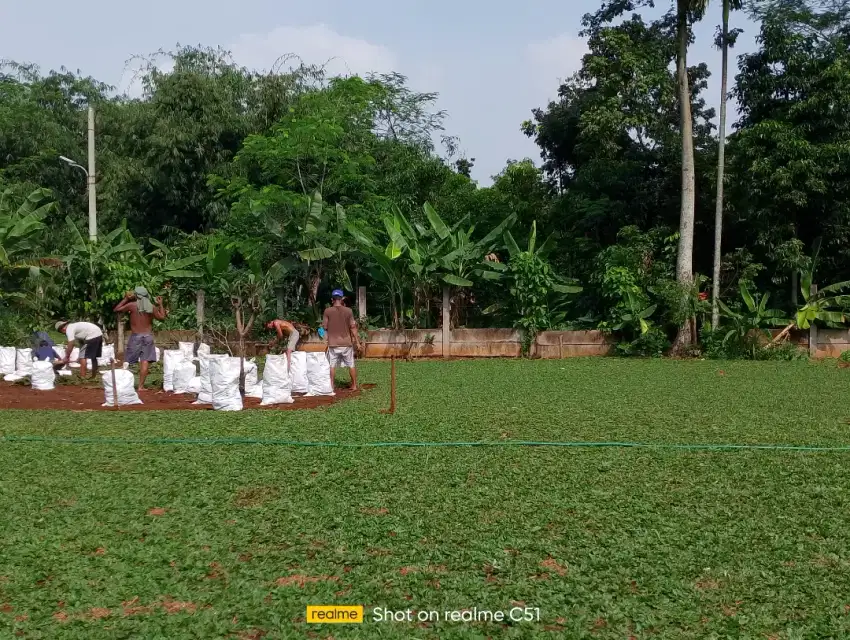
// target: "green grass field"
[[112, 540]]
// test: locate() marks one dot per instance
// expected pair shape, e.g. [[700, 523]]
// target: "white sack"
[[65, 372], [170, 359], [277, 386], [253, 387], [126, 383], [204, 349], [194, 385], [23, 362], [187, 349], [319, 375], [7, 360], [13, 377], [59, 350], [298, 372], [182, 376], [224, 380], [205, 392], [43, 376], [107, 355]]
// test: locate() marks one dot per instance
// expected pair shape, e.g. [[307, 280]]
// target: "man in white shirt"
[[90, 338]]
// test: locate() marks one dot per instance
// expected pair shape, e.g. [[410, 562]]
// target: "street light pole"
[[91, 180]]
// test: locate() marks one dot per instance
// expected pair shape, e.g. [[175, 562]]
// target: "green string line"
[[363, 445]]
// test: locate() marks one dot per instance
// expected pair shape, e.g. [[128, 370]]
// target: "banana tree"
[[751, 323], [320, 241], [538, 296], [824, 305], [21, 229], [635, 319], [103, 269]]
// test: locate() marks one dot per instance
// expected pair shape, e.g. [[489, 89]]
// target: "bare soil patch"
[[90, 398]]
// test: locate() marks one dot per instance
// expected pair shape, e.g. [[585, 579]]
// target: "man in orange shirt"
[[341, 329]]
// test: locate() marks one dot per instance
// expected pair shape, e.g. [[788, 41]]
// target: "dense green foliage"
[[310, 183], [713, 544]]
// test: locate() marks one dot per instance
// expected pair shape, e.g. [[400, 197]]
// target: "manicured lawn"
[[215, 540]]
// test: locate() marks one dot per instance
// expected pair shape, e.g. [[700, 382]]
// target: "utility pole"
[[91, 180]]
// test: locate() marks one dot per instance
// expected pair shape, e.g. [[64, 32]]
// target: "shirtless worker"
[[281, 326], [341, 328], [141, 348]]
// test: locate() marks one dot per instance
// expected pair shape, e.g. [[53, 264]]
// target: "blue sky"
[[491, 62]]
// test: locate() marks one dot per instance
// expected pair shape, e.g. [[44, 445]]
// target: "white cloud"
[[315, 44], [554, 60]]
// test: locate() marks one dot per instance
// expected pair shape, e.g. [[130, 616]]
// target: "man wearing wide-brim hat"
[[90, 338]]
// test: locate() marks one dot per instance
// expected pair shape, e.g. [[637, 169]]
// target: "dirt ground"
[[89, 398]]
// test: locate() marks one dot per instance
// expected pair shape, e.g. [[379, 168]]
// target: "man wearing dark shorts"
[[89, 336], [141, 348]]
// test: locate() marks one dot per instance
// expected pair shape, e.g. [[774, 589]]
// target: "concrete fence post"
[[361, 303], [447, 321], [813, 329]]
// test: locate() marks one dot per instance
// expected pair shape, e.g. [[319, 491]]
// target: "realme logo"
[[334, 614]]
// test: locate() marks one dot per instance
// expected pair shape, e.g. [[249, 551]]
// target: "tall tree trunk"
[[721, 167], [685, 261]]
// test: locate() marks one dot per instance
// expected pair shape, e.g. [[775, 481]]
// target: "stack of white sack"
[[43, 377], [253, 386], [319, 375], [224, 381], [277, 385], [23, 366], [126, 385], [7, 361], [298, 372], [182, 376]]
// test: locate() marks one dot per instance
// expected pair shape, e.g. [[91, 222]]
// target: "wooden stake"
[[391, 410], [114, 386], [560, 346]]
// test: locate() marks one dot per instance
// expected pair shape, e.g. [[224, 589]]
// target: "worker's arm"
[[159, 311], [124, 305], [355, 337], [68, 348]]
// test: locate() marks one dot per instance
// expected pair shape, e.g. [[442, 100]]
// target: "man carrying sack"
[[141, 348], [90, 338]]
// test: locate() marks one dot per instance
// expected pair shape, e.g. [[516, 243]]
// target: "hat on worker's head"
[[61, 324], [337, 293]]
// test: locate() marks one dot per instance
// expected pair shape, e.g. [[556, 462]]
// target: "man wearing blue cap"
[[342, 335]]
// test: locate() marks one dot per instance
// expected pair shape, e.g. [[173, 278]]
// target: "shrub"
[[651, 344]]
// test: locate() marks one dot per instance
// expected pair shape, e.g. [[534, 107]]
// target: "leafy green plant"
[[538, 296], [749, 327]]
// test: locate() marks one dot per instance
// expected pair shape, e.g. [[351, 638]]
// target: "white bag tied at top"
[[204, 349], [170, 359], [194, 385], [107, 355], [23, 362], [7, 360], [277, 386], [224, 380], [253, 388], [298, 372], [187, 349], [205, 391], [43, 377], [319, 375], [125, 383], [182, 376]]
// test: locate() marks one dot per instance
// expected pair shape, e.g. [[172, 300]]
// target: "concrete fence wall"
[[506, 343], [463, 343]]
